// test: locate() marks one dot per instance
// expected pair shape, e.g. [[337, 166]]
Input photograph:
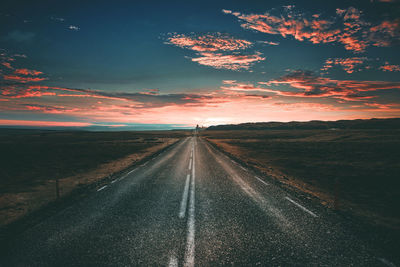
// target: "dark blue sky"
[[150, 61]]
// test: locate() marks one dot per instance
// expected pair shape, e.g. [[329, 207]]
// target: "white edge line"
[[301, 207], [185, 195], [101, 188], [113, 181], [261, 180]]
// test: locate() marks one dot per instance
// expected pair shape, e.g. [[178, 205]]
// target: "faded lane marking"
[[301, 207], [185, 195]]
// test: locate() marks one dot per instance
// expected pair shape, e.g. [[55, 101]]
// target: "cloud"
[[7, 65], [230, 62], [50, 109], [59, 19], [385, 34], [140, 99], [311, 85], [233, 85], [388, 1], [237, 102], [44, 123], [353, 64], [21, 75], [73, 28], [212, 50], [22, 79], [18, 36], [268, 42], [27, 72], [391, 68], [347, 28], [348, 64], [258, 96], [209, 42]]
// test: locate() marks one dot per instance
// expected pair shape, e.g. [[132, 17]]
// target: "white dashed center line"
[[190, 246], [185, 195], [260, 180], [101, 188], [301, 207], [173, 261], [190, 164]]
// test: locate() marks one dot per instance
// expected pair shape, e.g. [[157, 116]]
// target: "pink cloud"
[[44, 123], [208, 42], [232, 85], [348, 28], [385, 34], [23, 79], [212, 50], [234, 102], [391, 68], [7, 65], [27, 72], [348, 64], [230, 62], [315, 86]]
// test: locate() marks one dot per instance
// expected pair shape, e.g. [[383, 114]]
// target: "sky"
[[177, 64]]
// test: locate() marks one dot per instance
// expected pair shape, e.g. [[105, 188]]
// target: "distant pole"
[[57, 189]]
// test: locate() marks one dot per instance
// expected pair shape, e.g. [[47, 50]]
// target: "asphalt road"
[[191, 205]]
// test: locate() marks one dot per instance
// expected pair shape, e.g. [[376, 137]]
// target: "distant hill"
[[309, 125]]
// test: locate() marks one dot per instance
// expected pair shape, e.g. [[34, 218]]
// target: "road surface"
[[191, 205]]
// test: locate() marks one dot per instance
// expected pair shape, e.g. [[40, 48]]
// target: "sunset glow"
[[267, 63]]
